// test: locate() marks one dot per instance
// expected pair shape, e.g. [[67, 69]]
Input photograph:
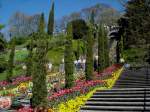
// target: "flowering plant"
[[15, 81], [25, 109], [109, 70]]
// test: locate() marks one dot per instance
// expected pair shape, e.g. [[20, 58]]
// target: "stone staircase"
[[131, 93]]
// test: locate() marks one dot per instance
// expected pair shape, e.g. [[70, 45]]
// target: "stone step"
[[133, 81], [134, 76], [116, 108], [126, 89], [116, 103], [104, 111], [120, 96], [119, 99], [120, 92], [132, 86]]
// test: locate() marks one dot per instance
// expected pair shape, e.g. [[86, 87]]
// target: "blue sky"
[[62, 7]]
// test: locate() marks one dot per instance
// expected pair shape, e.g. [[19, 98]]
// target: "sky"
[[62, 7]]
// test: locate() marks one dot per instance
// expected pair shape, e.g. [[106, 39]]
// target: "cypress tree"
[[92, 20], [39, 71], [11, 60], [41, 26], [39, 74], [29, 58], [121, 47], [118, 52], [89, 55], [69, 65], [101, 60], [106, 49], [50, 28]]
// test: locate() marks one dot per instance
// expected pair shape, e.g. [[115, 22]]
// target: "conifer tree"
[[11, 60], [106, 49], [89, 47], [29, 58], [121, 47], [39, 74], [69, 66], [50, 28], [89, 54], [101, 58], [39, 71], [41, 26]]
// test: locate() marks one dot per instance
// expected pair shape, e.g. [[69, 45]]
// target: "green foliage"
[[29, 59], [3, 63], [56, 55], [37, 67], [101, 57], [11, 60], [50, 28], [21, 55], [68, 58], [21, 40], [92, 18], [17, 71], [79, 29], [134, 56], [1, 26], [41, 26], [3, 43], [89, 55], [39, 72], [106, 49], [121, 47], [148, 56], [135, 23]]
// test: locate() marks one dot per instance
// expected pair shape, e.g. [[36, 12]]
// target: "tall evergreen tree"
[[135, 23], [101, 58], [106, 49], [11, 60], [89, 54], [69, 66], [92, 17], [41, 26], [89, 47], [50, 28], [118, 52], [29, 58], [121, 47], [39, 73]]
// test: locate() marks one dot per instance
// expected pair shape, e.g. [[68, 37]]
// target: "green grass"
[[17, 72], [21, 55], [56, 55]]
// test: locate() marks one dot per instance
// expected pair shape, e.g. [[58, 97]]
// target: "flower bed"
[[79, 89], [78, 92], [74, 105], [109, 70], [15, 81]]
